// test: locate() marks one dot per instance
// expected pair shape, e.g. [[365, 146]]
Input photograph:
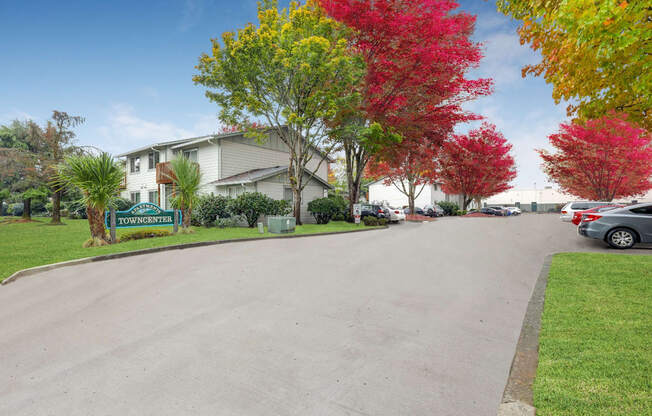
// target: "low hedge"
[[374, 222], [142, 234]]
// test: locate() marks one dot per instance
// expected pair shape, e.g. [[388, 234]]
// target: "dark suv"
[[373, 210]]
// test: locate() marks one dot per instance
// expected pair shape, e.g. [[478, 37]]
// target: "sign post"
[[357, 212], [113, 234], [175, 227], [142, 215]]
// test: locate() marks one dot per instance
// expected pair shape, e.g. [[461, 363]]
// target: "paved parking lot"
[[421, 319]]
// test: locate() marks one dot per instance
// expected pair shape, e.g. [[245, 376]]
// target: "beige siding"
[[242, 154], [141, 182]]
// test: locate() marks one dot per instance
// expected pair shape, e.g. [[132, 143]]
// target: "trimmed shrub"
[[323, 209], [252, 205], [461, 212], [122, 204], [370, 221], [15, 209], [342, 208], [209, 208], [280, 207], [229, 222], [76, 210], [142, 234], [450, 208], [382, 221]]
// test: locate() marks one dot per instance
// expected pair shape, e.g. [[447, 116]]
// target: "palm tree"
[[186, 179], [99, 178]]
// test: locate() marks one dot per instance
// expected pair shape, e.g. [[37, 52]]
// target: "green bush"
[[15, 209], [342, 208], [252, 205], [280, 207], [323, 209], [461, 212], [142, 234], [122, 204], [370, 221], [450, 208], [229, 222], [76, 210], [209, 208], [383, 221]]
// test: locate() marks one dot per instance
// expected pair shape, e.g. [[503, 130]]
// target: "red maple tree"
[[601, 159], [417, 53], [476, 165], [408, 166]]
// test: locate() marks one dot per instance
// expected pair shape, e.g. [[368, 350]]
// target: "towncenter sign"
[[142, 215]]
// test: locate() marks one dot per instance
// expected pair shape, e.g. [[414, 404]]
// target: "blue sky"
[[127, 67]]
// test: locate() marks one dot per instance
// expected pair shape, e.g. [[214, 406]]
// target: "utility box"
[[281, 224]]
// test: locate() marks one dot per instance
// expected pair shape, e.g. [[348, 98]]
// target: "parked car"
[[569, 209], [492, 211], [394, 214], [621, 228], [433, 210], [372, 210], [504, 211], [577, 215], [514, 210], [417, 211]]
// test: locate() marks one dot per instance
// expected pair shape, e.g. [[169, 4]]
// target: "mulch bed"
[[479, 215], [16, 221], [418, 218]]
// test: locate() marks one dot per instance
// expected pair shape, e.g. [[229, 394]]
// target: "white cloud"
[[12, 115], [124, 129], [504, 58]]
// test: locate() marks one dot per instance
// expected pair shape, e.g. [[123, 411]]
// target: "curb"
[[38, 269], [518, 397]]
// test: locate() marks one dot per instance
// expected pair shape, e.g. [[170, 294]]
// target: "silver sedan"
[[620, 228]]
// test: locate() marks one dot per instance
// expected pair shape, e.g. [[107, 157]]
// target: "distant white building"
[[230, 164], [431, 193], [546, 198]]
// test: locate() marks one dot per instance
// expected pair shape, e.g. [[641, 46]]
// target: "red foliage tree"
[[601, 159], [476, 165], [408, 166], [417, 53]]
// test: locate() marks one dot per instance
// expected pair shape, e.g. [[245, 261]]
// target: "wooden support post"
[[158, 193], [112, 231], [176, 221]]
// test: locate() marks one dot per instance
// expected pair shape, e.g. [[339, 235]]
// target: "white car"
[[569, 209], [514, 210], [394, 214]]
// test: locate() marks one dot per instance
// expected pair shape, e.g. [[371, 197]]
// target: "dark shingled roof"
[[255, 175]]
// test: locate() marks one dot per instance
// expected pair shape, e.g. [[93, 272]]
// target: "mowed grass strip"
[[595, 355], [25, 245]]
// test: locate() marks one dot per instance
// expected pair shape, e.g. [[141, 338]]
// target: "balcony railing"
[[164, 173]]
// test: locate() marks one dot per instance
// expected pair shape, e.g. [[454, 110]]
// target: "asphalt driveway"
[[421, 319]]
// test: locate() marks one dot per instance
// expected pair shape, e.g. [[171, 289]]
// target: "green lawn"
[[34, 244], [595, 355]]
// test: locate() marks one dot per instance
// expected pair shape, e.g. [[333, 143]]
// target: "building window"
[[235, 191], [153, 159], [135, 197], [153, 197], [288, 195], [134, 164], [190, 154]]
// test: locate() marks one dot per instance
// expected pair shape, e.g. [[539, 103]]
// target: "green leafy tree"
[[595, 53], [323, 209], [99, 178], [58, 139], [4, 195], [294, 72], [186, 179]]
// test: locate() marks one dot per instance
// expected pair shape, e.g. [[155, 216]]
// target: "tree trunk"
[[27, 208], [96, 223], [297, 206], [56, 207], [186, 214]]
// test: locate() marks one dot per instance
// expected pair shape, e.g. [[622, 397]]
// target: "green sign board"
[[144, 214]]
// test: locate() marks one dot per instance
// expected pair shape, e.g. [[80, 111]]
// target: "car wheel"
[[621, 238]]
